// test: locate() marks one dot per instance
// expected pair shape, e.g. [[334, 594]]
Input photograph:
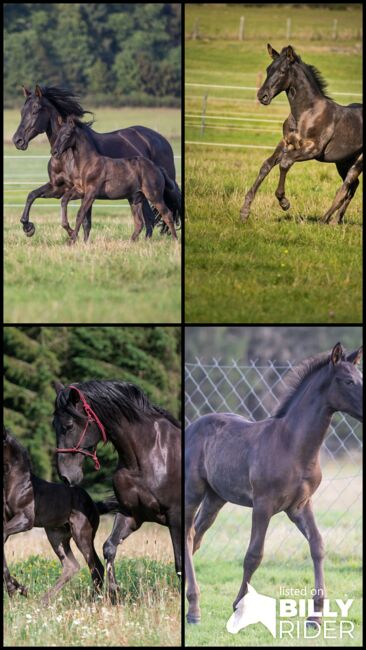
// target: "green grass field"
[[286, 563], [279, 266], [149, 614], [107, 280]]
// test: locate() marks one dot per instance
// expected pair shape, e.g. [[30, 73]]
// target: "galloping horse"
[[316, 129], [270, 466], [40, 114], [147, 439], [97, 176]]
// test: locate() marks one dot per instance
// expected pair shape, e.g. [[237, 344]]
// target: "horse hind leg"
[[167, 217], [59, 539], [345, 193], [206, 515], [83, 531]]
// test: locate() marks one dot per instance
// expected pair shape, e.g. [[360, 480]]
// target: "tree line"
[[111, 54], [35, 356]]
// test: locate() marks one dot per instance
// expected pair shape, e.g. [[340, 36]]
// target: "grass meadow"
[[279, 266], [148, 616], [286, 564], [107, 280]]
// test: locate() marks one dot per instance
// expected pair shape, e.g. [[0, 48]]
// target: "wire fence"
[[253, 391]]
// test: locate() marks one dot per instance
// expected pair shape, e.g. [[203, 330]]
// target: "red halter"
[[92, 417]]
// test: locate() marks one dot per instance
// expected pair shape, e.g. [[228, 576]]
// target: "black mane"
[[296, 377], [110, 399], [65, 102]]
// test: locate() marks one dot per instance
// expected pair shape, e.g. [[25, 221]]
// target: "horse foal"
[[96, 176], [62, 511]]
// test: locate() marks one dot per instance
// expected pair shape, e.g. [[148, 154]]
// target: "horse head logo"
[[253, 608]]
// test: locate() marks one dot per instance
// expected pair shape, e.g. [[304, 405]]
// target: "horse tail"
[[110, 504], [149, 217], [173, 199]]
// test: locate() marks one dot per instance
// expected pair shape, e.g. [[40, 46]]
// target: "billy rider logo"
[[278, 616]]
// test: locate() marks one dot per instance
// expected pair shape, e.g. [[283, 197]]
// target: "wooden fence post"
[[196, 29], [335, 29], [288, 28], [241, 28]]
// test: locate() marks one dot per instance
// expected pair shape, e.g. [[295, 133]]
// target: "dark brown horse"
[[270, 466], [64, 512], [94, 176], [147, 438], [316, 129], [40, 115]]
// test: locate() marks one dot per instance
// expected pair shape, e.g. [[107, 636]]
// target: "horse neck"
[[83, 147], [127, 439], [301, 93], [308, 417]]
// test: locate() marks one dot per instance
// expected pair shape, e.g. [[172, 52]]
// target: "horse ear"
[[38, 91], [59, 120], [356, 356], [58, 386], [290, 53], [70, 120], [5, 432], [272, 53], [26, 92], [337, 354]]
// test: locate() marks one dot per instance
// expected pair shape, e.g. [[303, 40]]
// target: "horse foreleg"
[[175, 530], [304, 520], [260, 519], [68, 196], [46, 191], [346, 191], [12, 585], [122, 527], [280, 191], [86, 204], [263, 172]]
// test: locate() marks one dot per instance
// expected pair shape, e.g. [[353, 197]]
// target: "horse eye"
[[349, 381]]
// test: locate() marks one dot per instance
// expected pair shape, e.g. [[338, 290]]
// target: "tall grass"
[[149, 614]]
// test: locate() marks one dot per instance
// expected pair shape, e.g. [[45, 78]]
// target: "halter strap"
[[92, 417]]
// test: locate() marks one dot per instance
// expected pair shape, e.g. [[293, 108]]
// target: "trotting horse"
[[317, 129], [64, 512], [147, 439], [97, 176], [271, 465], [39, 115]]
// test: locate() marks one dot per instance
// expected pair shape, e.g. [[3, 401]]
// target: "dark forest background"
[[113, 54], [35, 356]]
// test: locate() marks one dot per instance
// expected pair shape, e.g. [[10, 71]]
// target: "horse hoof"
[[285, 204], [313, 623], [193, 620], [244, 214], [29, 229]]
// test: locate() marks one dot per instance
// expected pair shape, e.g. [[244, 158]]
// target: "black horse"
[[316, 129], [39, 115], [270, 466], [147, 439], [97, 176], [64, 512]]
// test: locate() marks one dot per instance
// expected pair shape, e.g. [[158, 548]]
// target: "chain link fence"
[[253, 391]]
